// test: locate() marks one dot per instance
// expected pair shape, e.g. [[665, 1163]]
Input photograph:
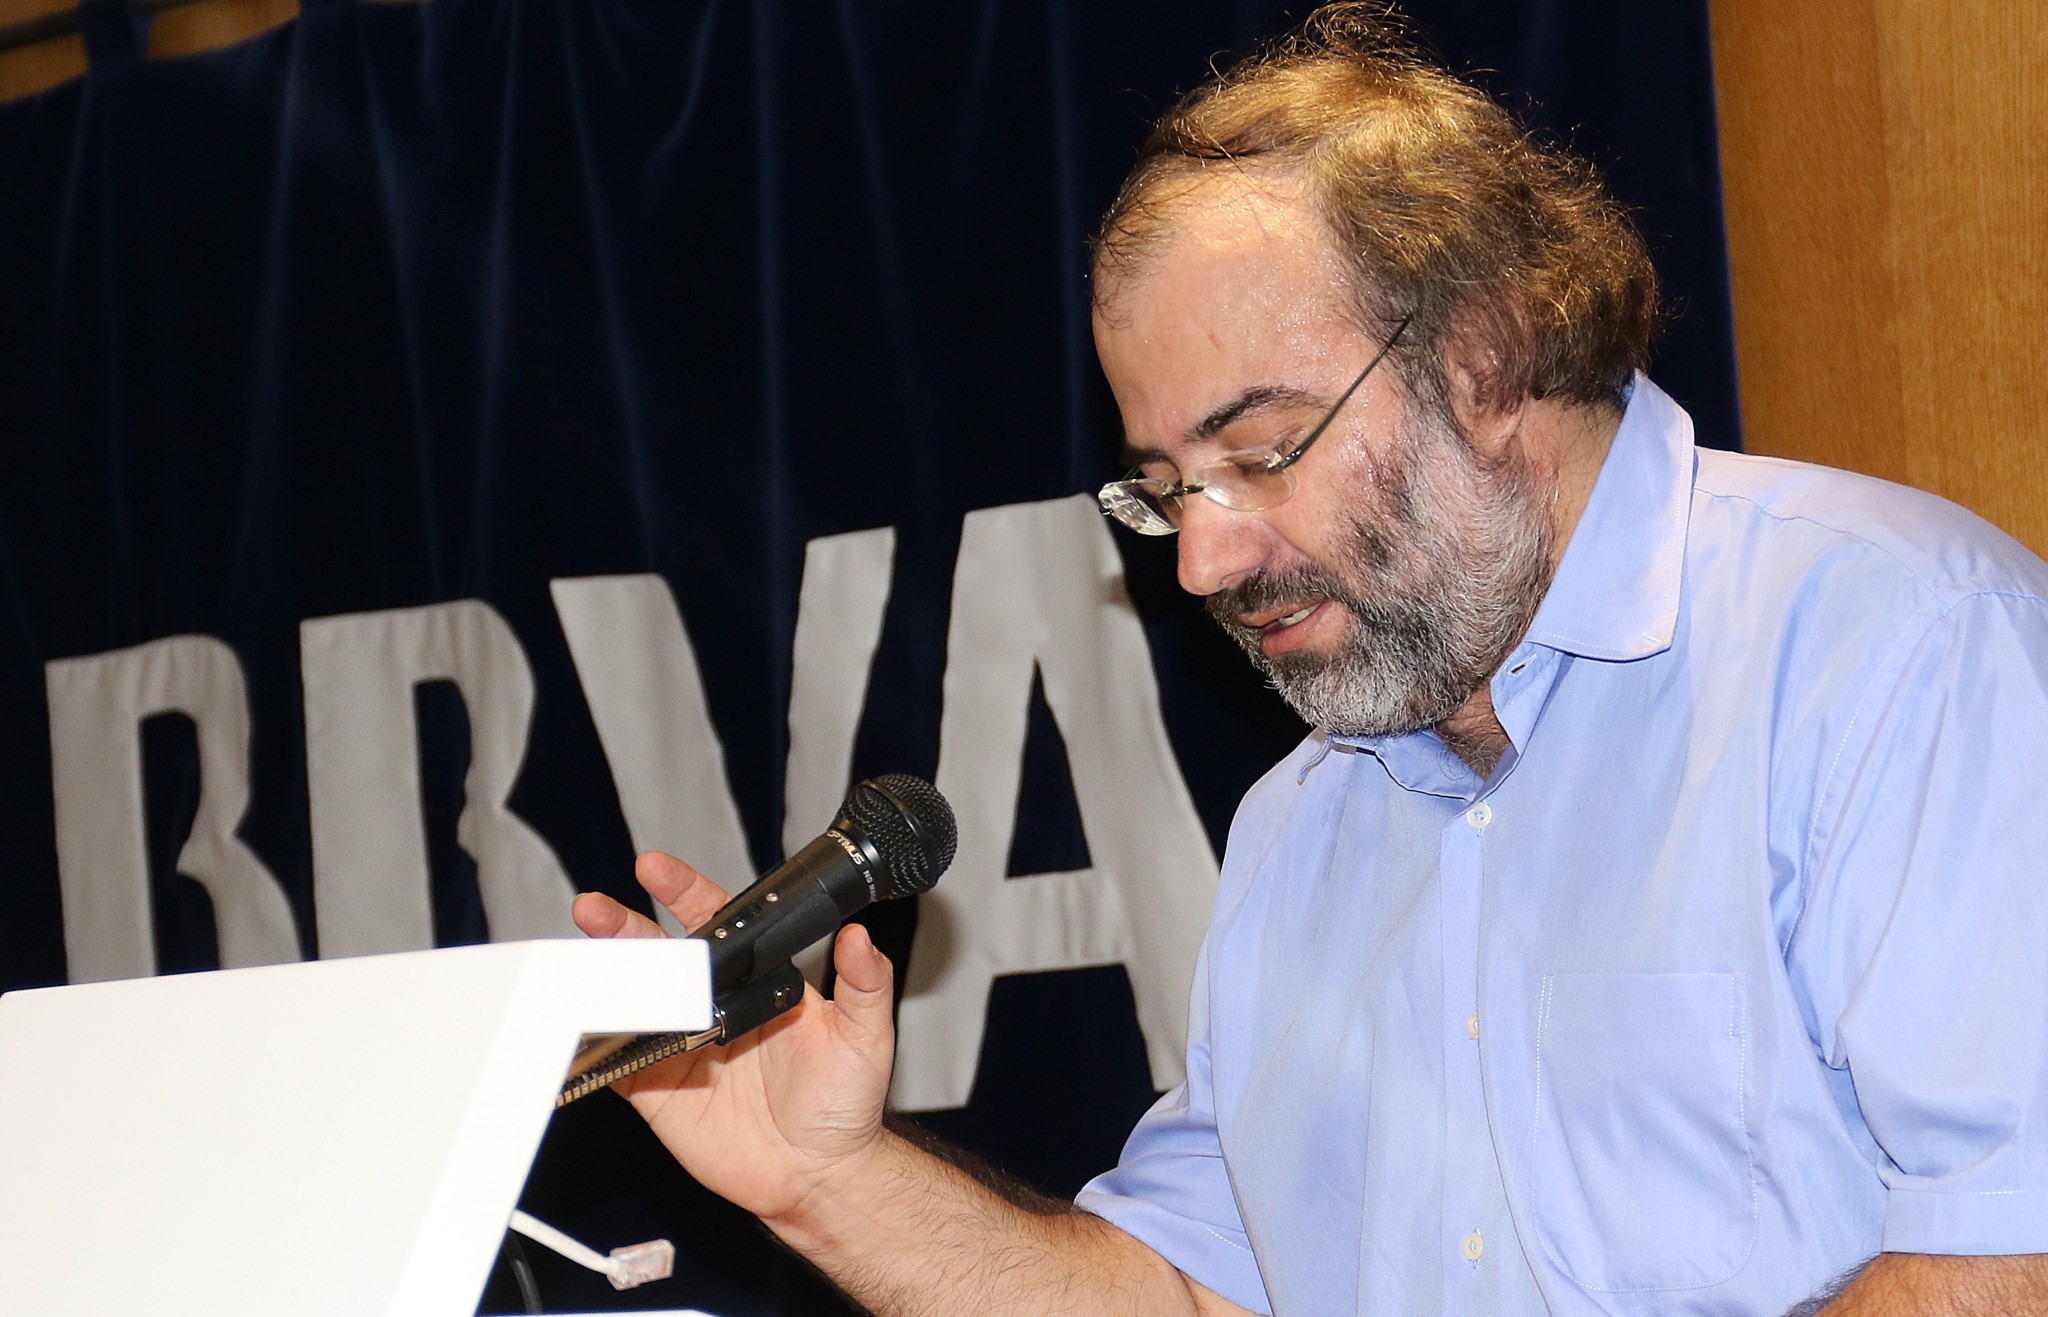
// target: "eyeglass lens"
[[1247, 482]]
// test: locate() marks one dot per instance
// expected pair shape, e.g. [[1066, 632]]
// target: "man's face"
[[1389, 587]]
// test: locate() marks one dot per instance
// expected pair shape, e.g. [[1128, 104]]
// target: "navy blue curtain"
[[405, 304]]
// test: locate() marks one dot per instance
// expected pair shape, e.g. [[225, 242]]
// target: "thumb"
[[863, 984]]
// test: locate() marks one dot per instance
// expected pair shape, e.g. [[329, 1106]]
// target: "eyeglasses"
[[1250, 480]]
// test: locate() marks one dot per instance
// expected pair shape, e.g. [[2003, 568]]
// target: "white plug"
[[627, 1266]]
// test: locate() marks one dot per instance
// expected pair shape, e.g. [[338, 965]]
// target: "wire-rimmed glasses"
[[1249, 480]]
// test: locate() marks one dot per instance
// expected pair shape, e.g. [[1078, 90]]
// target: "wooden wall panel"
[[1885, 164], [45, 64], [210, 24], [203, 25]]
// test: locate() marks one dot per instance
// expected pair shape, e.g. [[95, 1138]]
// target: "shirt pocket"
[[1642, 1178]]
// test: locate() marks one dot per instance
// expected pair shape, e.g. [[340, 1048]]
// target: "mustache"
[[1271, 588]]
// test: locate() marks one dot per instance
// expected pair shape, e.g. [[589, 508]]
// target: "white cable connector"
[[626, 1267]]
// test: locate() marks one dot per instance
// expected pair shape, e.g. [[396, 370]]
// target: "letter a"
[[1041, 583]]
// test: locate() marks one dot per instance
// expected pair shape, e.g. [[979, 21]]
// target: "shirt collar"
[[1615, 595]]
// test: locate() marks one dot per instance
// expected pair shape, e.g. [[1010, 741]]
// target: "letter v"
[[639, 673]]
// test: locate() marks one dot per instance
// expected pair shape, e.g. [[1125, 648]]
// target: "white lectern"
[[344, 1136]]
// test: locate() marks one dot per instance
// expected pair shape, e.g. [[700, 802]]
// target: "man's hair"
[[1441, 206]]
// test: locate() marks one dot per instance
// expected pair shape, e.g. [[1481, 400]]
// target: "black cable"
[[513, 1253]]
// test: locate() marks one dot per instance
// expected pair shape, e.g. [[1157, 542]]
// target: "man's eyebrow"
[[1258, 398]]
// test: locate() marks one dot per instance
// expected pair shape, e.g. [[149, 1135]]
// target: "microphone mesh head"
[[910, 824]]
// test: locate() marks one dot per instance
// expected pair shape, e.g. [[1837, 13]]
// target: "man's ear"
[[1488, 418]]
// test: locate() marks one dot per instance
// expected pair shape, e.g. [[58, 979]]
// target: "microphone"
[[894, 836]]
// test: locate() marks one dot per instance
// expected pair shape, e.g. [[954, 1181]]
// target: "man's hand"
[[769, 1120], [787, 1123]]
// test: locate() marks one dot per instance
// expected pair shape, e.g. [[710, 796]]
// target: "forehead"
[[1243, 291]]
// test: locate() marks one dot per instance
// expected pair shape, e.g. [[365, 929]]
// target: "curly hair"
[[1443, 208]]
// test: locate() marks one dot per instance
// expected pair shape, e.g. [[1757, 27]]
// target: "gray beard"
[[1437, 593]]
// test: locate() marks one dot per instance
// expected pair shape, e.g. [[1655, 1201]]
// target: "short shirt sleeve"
[[1923, 948], [1171, 1189]]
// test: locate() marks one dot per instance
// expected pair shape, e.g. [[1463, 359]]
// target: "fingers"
[[690, 896], [864, 984], [599, 915]]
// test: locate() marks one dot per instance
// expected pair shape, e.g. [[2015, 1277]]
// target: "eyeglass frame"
[[1116, 494]]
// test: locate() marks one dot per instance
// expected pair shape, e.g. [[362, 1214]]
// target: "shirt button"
[[1479, 815], [1472, 1027], [1475, 1247]]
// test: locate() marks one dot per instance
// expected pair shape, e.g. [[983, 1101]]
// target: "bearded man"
[[1651, 923]]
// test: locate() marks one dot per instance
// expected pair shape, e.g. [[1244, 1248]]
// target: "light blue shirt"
[[1734, 973]]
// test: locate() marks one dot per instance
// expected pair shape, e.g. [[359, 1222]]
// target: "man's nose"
[[1218, 547]]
